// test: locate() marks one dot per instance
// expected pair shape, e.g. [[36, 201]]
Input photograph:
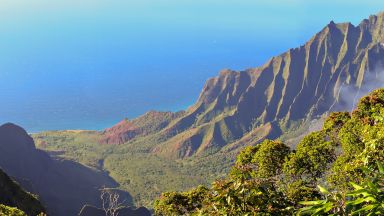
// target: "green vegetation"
[[364, 199], [10, 211], [78, 145], [11, 194], [143, 174], [346, 157]]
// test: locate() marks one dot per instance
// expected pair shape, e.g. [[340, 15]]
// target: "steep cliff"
[[341, 61]]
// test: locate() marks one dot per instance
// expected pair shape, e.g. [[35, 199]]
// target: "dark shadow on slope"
[[64, 186], [89, 210], [11, 194]]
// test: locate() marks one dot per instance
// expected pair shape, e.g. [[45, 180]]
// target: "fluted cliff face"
[[299, 84], [305, 80]]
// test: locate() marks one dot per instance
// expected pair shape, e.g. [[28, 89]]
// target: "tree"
[[264, 160], [335, 121], [111, 202], [311, 158], [243, 196], [10, 211], [176, 203], [369, 107]]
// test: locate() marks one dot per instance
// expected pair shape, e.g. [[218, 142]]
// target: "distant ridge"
[[263, 102]]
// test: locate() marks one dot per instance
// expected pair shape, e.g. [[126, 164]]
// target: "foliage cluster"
[[10, 211], [270, 179]]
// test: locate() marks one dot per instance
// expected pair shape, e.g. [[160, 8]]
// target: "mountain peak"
[[376, 17], [16, 136], [332, 24], [226, 72], [12, 127]]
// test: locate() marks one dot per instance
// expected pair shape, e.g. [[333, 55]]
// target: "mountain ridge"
[[302, 83], [283, 98]]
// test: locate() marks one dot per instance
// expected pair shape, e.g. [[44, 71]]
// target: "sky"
[[86, 64]]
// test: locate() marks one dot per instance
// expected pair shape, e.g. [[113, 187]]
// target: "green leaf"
[[380, 166], [316, 202], [323, 190], [328, 207], [364, 209], [363, 192], [229, 200], [356, 186], [319, 210], [357, 201]]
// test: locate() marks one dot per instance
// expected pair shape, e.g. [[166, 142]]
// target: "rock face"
[[14, 196], [341, 61], [63, 186]]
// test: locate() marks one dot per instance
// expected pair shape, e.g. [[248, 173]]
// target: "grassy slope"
[[142, 173], [135, 167]]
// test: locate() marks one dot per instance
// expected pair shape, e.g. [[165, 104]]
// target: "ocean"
[[89, 64]]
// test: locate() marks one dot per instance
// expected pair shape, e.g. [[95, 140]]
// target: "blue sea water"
[[88, 64]]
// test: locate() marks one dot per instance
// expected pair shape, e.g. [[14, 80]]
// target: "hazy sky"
[[87, 64]]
